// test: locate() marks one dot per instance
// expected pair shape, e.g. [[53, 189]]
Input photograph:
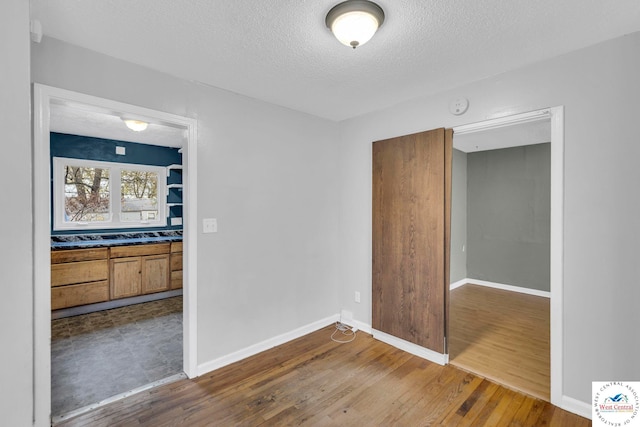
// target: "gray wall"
[[267, 173], [598, 86], [508, 215], [458, 266], [16, 314]]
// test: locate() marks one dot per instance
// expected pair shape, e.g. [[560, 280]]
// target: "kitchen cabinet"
[[176, 265], [140, 269], [79, 277], [93, 275]]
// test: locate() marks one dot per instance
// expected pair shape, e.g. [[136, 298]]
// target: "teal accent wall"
[[89, 148]]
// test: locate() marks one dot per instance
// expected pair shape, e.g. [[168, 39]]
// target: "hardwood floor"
[[315, 381], [503, 336]]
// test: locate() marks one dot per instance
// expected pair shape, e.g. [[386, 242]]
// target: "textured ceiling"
[[280, 50], [76, 120]]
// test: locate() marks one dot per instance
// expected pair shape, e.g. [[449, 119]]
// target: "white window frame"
[[114, 221]]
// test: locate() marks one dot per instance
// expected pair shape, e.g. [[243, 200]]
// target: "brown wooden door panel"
[[155, 273], [126, 277], [409, 239]]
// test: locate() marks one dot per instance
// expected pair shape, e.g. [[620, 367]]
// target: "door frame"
[[43, 97], [556, 117]]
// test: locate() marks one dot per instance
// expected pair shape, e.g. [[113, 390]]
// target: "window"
[[91, 194]]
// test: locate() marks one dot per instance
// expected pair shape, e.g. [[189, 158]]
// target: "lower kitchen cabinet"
[[145, 273], [87, 276], [79, 277], [126, 277], [176, 265], [155, 274], [133, 276]]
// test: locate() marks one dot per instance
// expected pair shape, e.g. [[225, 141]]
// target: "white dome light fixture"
[[135, 125], [354, 22]]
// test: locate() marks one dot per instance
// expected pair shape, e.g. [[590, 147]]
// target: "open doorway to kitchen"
[[112, 219], [506, 265]]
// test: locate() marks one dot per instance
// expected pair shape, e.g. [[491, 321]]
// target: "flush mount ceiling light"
[[135, 125], [354, 22]]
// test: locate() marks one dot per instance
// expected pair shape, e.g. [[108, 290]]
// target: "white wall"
[[16, 321], [599, 86], [294, 207], [268, 174]]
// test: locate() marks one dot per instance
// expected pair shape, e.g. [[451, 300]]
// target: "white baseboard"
[[254, 349], [458, 284], [364, 327], [576, 406], [425, 353], [528, 291]]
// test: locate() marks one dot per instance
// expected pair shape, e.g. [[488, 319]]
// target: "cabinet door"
[[126, 277], [155, 273]]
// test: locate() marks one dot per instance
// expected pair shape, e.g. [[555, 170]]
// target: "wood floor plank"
[[317, 382], [503, 336]]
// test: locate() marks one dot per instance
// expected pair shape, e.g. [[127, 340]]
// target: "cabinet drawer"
[[176, 262], [73, 255], [140, 250], [176, 279], [176, 247], [73, 295], [79, 272]]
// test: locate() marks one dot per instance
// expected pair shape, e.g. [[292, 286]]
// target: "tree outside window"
[[86, 191]]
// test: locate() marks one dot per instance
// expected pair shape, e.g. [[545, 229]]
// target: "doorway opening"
[[481, 258], [155, 298]]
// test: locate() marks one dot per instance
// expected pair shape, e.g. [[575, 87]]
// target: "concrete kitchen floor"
[[98, 355]]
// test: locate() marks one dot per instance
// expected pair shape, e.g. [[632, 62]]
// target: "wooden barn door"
[[411, 221]]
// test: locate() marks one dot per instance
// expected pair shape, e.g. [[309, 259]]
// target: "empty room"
[[500, 252], [306, 220]]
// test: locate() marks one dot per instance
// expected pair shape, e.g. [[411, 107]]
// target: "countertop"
[[77, 241]]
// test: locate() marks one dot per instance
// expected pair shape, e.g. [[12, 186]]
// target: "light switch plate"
[[209, 225]]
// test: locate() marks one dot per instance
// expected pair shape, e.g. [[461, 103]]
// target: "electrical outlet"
[[357, 296]]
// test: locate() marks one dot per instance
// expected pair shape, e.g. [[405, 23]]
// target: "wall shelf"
[[176, 198], [173, 167]]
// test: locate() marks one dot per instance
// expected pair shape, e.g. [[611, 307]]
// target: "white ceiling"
[[86, 121], [280, 50]]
